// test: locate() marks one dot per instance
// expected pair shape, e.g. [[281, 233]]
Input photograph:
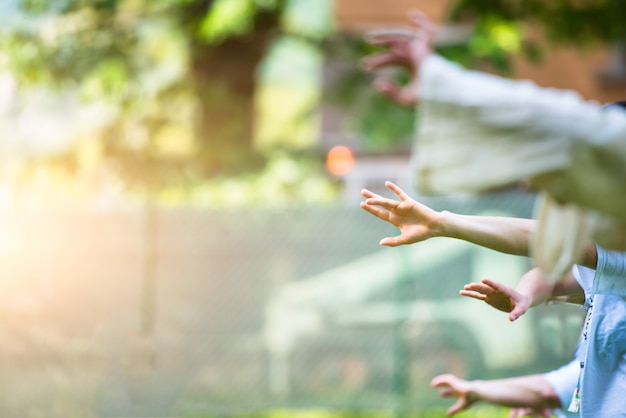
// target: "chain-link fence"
[[158, 313]]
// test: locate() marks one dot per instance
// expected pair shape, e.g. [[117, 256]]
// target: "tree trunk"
[[224, 76]]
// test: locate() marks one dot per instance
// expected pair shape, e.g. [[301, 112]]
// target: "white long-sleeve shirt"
[[477, 131], [563, 380]]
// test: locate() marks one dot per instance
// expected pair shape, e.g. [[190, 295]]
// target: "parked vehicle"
[[395, 320]]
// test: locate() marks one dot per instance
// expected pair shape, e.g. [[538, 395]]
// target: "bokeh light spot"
[[340, 160]]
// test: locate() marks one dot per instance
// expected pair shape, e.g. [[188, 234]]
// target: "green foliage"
[[284, 180], [312, 19], [140, 56], [149, 60], [495, 40], [107, 79], [228, 18], [567, 21]]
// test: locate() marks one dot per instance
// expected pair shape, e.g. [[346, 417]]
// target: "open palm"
[[415, 221], [499, 296]]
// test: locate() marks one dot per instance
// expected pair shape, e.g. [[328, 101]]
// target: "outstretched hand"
[[416, 222], [406, 49], [452, 386], [500, 296]]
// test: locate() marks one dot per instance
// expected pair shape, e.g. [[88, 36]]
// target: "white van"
[[394, 319]]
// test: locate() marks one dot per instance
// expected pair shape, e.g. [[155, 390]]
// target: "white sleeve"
[[478, 131], [561, 236], [563, 380]]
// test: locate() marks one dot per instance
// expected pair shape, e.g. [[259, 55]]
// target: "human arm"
[[581, 157], [418, 222], [532, 391], [457, 105], [534, 284], [531, 290]]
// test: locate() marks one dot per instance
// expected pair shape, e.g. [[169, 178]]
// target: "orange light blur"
[[340, 160]]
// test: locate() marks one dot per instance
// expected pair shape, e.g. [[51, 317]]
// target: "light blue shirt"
[[603, 340]]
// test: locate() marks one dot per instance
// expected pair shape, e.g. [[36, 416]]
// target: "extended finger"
[[397, 190], [376, 211], [472, 294], [369, 194], [381, 60], [458, 406], [426, 26], [497, 286], [385, 203], [480, 287], [393, 241], [389, 35], [441, 380]]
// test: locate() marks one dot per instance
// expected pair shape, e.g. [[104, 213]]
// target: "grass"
[[482, 411]]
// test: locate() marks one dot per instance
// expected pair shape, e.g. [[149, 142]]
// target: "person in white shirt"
[[478, 131]]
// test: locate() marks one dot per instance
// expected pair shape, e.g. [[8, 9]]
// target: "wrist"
[[474, 390], [523, 298], [443, 224], [529, 301]]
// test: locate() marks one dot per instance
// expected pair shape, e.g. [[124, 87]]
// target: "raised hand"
[[406, 49], [500, 296], [416, 222], [452, 386]]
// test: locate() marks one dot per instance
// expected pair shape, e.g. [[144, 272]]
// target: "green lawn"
[[482, 411]]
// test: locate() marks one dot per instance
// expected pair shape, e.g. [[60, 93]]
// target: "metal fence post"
[[400, 378]]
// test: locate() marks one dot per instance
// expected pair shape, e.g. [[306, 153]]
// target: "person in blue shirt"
[[532, 395], [599, 281]]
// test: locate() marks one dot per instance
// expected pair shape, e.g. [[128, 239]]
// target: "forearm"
[[533, 391], [539, 290], [535, 287], [569, 287], [503, 234]]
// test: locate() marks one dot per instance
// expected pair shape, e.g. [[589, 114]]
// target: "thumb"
[[458, 406], [516, 312]]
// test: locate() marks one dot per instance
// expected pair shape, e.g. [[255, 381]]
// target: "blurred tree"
[[181, 72]]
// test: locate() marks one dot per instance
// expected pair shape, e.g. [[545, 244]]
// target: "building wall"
[[356, 15]]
